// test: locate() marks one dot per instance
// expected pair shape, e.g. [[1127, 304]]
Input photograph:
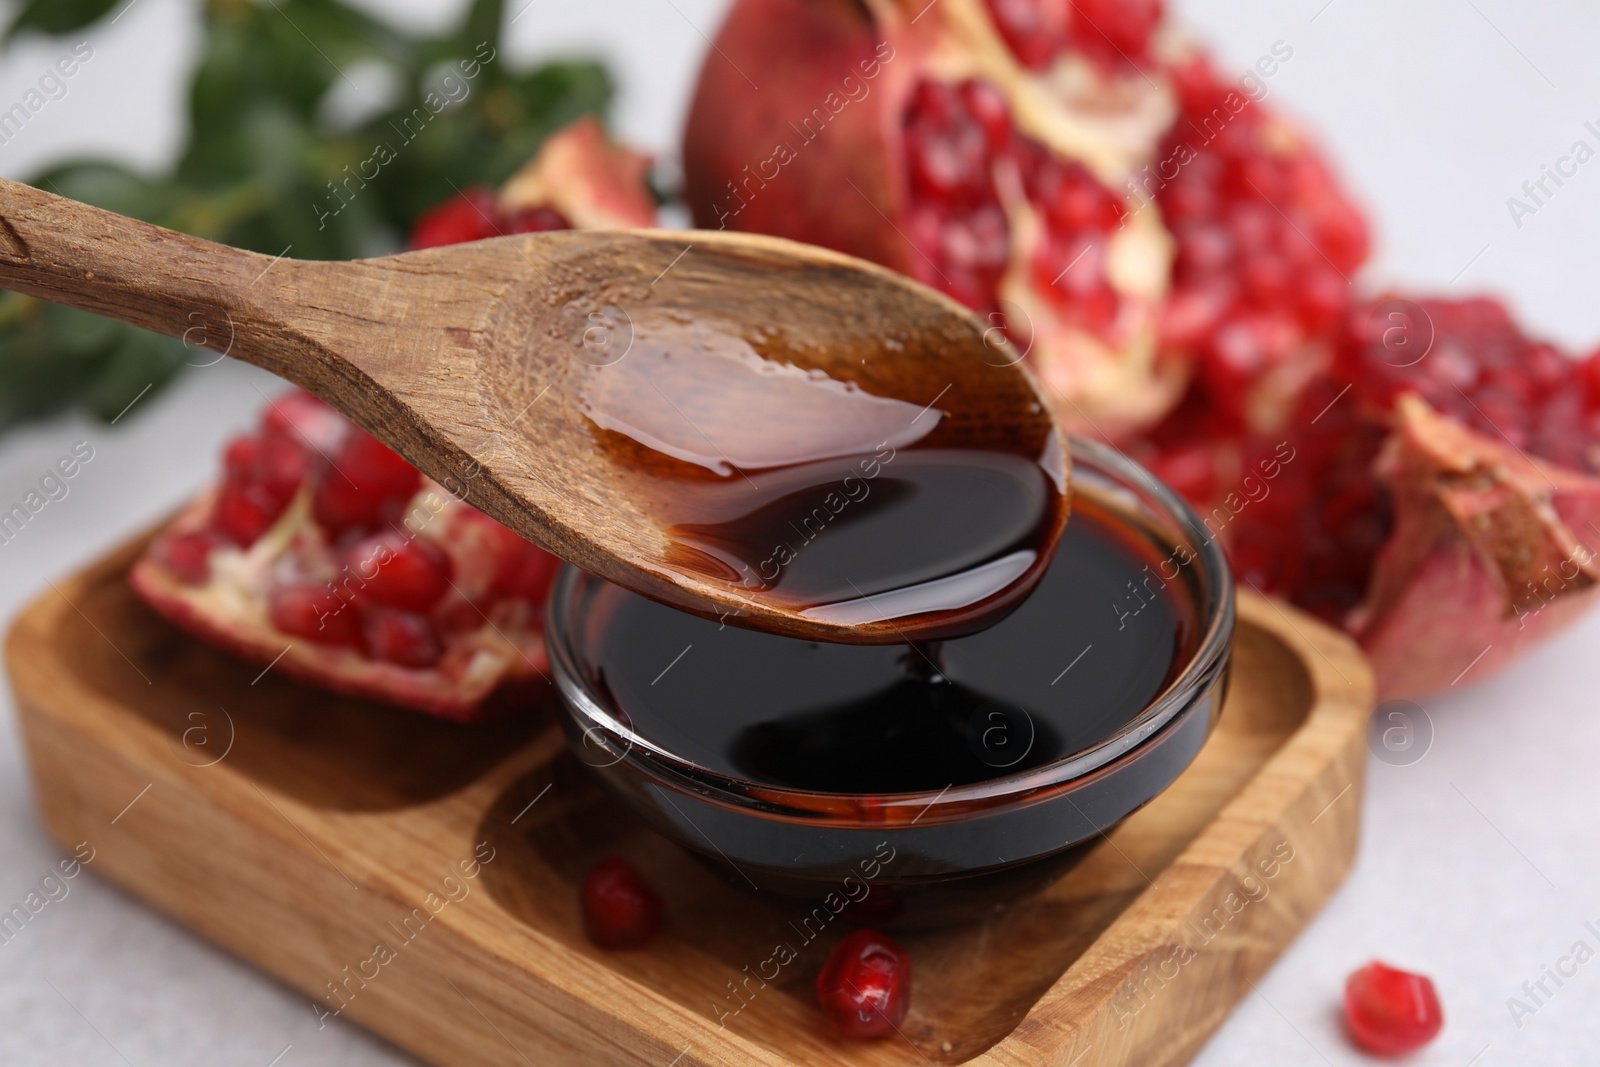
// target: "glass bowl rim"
[[680, 774]]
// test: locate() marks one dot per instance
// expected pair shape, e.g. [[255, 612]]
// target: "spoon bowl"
[[620, 398]]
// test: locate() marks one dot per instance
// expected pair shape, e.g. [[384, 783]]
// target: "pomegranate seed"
[[1035, 30], [527, 573], [403, 572], [1324, 295], [1115, 33], [1254, 227], [1267, 280], [949, 160], [271, 463], [1342, 234], [471, 216], [244, 512], [1258, 176], [365, 477], [865, 986], [1073, 200], [241, 459], [399, 637], [304, 420], [1192, 314], [314, 612], [620, 910], [1204, 249], [1389, 1012], [988, 108], [283, 467], [188, 555], [537, 220]]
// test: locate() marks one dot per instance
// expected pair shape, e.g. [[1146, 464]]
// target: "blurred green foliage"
[[270, 166]]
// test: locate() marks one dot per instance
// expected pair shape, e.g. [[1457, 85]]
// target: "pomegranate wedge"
[[327, 556]]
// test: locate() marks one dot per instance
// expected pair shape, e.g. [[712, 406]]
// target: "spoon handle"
[[98, 261]]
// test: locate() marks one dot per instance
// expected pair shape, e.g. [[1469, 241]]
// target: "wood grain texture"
[[475, 362], [301, 831]]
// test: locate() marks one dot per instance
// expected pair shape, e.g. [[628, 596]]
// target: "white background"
[[1480, 862]]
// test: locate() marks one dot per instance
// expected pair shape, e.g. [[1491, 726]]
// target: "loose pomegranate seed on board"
[[620, 910], [865, 986], [1390, 1012]]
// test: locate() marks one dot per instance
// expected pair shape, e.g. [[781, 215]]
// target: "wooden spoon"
[[587, 388]]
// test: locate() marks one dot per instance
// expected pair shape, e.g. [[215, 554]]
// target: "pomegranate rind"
[[783, 160], [229, 611], [594, 182], [1488, 555]]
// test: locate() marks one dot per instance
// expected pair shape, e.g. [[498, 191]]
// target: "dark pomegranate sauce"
[[1099, 638], [849, 507]]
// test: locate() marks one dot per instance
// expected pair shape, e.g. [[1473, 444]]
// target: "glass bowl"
[[925, 858]]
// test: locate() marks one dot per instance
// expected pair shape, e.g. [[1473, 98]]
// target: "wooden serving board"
[[421, 878]]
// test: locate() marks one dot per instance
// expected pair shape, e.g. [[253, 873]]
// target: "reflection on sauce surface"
[[849, 507]]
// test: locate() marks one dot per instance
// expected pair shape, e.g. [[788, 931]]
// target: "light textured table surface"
[[1480, 863]]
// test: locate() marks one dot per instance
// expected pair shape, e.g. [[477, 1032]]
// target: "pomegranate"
[[865, 985], [1074, 171], [620, 910], [1433, 489], [1175, 260], [580, 179], [362, 576], [327, 556], [1390, 1012]]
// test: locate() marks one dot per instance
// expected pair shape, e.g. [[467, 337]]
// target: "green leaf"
[[260, 170], [484, 23], [137, 366], [112, 187], [58, 16], [81, 334]]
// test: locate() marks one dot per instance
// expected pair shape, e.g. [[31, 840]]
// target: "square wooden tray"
[[420, 878]]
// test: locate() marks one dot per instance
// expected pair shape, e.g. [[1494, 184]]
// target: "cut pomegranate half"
[[1071, 169], [1176, 261], [327, 556]]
